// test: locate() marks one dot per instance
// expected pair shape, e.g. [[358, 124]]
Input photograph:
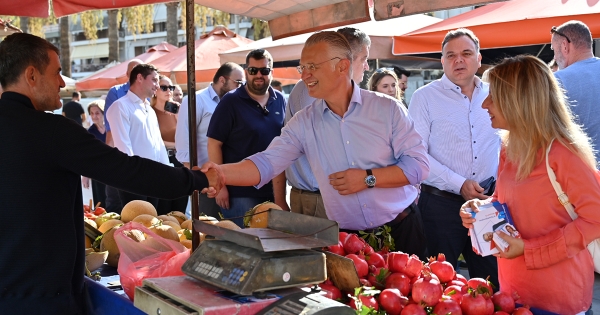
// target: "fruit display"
[[396, 283]]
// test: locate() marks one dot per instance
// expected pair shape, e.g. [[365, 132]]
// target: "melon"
[[180, 216], [226, 224], [208, 219], [186, 243], [187, 224], [258, 216], [109, 225], [166, 232], [136, 207], [88, 242], [168, 218], [146, 220], [135, 235], [95, 260], [174, 225], [90, 222], [109, 244]]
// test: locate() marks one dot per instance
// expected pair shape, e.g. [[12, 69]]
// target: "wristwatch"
[[370, 180]]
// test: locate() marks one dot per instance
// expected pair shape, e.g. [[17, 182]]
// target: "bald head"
[[132, 64]]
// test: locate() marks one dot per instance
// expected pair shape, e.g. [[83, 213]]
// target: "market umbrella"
[[207, 49], [108, 77], [381, 34], [504, 24]]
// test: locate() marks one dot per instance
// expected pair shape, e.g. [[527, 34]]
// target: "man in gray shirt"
[[579, 74]]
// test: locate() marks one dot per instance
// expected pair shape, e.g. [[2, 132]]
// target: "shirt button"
[[473, 173], [476, 158], [364, 206], [474, 141], [342, 120], [352, 163], [347, 142]]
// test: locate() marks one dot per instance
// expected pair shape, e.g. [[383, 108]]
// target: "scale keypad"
[[234, 278]]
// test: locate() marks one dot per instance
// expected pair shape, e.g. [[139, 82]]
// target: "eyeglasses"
[[313, 66], [553, 30], [167, 87], [239, 82], [255, 70]]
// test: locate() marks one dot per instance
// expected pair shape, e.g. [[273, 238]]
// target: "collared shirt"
[[206, 102], [374, 132], [115, 93], [135, 129], [457, 132], [299, 174]]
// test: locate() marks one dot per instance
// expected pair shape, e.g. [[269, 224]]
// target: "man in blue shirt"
[[579, 74], [361, 146], [113, 200], [244, 123], [305, 196]]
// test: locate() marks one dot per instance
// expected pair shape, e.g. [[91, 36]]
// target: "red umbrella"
[[40, 8], [504, 24], [108, 77]]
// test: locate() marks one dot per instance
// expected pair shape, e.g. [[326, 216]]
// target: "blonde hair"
[[378, 75], [535, 108], [96, 103]]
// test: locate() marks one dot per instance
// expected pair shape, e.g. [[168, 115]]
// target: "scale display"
[[245, 270]]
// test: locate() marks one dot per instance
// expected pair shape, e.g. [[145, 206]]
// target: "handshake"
[[214, 175]]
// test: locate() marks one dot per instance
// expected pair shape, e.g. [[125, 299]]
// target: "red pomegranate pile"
[[396, 283]]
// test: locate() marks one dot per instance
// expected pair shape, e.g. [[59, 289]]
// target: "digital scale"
[[244, 271]]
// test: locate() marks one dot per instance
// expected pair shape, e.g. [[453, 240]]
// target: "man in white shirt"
[[134, 124], [462, 147], [228, 77]]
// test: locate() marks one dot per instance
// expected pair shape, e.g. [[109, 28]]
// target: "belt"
[[401, 216], [302, 191], [442, 193], [171, 152]]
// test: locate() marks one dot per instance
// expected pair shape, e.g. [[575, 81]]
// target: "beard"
[[258, 88]]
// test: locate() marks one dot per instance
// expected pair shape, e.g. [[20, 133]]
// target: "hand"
[[222, 198], [85, 182], [470, 190], [216, 178], [466, 216], [349, 181], [516, 246]]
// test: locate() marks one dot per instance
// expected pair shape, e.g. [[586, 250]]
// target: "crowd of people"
[[361, 157]]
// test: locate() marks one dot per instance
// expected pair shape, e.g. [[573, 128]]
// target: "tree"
[[261, 29], [172, 25], [202, 15], [65, 46], [113, 35]]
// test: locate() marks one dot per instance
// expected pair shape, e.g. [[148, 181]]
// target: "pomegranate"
[[445, 307], [391, 301], [331, 291], [413, 309], [454, 292], [353, 244], [442, 269], [474, 304], [501, 313], [522, 311], [375, 259], [337, 249], [368, 301], [413, 266], [396, 261], [362, 269], [481, 286], [377, 277], [427, 290], [368, 250], [342, 236], [503, 302], [461, 278], [398, 281]]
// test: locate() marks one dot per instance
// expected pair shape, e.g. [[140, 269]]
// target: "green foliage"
[[380, 238]]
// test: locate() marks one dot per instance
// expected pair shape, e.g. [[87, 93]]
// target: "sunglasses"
[[167, 87], [553, 30], [238, 82], [255, 70]]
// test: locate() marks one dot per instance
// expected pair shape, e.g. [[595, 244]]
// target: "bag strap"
[[562, 196]]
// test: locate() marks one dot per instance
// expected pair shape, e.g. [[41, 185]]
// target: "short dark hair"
[[144, 69], [356, 38], [401, 71], [275, 83], [76, 94], [225, 70], [458, 33], [578, 33], [259, 54], [19, 51]]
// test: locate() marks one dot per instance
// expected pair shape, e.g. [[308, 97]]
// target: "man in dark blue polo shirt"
[[244, 123]]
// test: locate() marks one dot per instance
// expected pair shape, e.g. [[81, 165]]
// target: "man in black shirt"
[[73, 109]]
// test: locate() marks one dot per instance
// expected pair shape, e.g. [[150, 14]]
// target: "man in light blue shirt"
[[361, 146], [305, 196], [228, 77], [579, 75]]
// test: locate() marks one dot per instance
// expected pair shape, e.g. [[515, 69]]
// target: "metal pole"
[[191, 88]]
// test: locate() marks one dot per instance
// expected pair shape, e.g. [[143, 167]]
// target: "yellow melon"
[[165, 218], [109, 225], [88, 242], [187, 224], [259, 215], [90, 222], [186, 243], [136, 207], [146, 220], [226, 224], [166, 232], [180, 216], [174, 225], [135, 235], [108, 244]]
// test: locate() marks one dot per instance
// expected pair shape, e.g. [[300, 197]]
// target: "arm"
[[111, 97], [215, 154], [279, 191]]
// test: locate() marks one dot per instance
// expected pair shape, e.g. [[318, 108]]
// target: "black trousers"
[[113, 200], [99, 193], [408, 234], [446, 234]]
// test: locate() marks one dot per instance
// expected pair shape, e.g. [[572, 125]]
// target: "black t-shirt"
[[73, 110]]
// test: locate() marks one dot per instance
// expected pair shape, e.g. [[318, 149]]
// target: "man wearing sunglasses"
[[579, 74], [244, 123], [305, 196], [227, 78], [135, 127], [362, 148]]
